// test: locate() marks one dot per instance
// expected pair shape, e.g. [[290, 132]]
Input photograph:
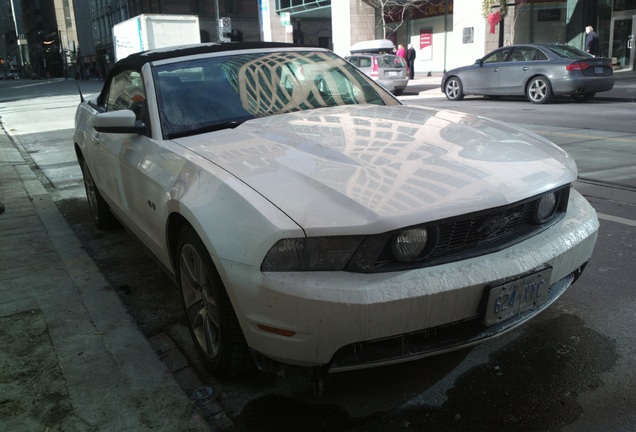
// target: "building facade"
[[242, 15], [451, 33], [73, 38]]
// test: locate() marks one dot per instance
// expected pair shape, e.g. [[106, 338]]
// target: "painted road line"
[[616, 219]]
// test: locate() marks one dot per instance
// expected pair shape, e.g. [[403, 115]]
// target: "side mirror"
[[480, 62], [122, 121]]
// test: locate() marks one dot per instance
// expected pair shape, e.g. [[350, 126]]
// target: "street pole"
[[217, 15]]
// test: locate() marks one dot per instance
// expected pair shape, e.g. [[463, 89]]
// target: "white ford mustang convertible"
[[312, 221]]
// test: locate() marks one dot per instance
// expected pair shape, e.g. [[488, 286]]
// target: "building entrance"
[[622, 41]]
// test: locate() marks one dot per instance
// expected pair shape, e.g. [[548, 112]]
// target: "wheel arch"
[[79, 154], [448, 78], [175, 223]]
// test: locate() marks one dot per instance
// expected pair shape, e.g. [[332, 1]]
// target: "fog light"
[[546, 207], [408, 245]]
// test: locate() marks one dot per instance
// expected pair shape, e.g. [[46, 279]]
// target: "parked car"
[[312, 221], [13, 74], [537, 71], [376, 59]]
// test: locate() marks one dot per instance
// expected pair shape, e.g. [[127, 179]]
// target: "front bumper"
[[334, 314]]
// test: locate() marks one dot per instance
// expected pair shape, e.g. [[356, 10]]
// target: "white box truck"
[[150, 31]]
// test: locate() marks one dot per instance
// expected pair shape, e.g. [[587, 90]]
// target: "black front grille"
[[464, 236]]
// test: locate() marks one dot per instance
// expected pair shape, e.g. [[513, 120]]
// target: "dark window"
[[232, 6]]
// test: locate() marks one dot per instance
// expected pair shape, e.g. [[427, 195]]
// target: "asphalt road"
[[571, 369]]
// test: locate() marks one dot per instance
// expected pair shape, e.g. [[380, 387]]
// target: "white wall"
[[352, 21], [466, 13], [341, 25], [432, 58]]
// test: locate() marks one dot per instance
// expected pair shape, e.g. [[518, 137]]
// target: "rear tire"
[[453, 89], [100, 211], [539, 90], [212, 321]]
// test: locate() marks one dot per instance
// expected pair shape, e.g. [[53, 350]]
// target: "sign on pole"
[[225, 26], [285, 19]]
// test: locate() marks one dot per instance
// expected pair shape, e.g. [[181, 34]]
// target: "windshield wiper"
[[229, 124]]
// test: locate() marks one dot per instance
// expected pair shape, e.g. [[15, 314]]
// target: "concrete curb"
[[113, 378]]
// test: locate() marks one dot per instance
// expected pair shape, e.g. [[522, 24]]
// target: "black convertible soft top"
[[137, 60]]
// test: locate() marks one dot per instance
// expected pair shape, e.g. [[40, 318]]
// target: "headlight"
[[545, 207], [409, 245], [311, 254]]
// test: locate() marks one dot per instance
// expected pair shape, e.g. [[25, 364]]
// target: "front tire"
[[100, 211], [212, 321], [453, 89], [539, 90]]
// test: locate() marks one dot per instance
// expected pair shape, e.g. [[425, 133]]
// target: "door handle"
[[95, 137], [495, 70], [525, 68]]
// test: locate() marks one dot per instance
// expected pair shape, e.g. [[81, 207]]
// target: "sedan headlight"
[[546, 206], [311, 254]]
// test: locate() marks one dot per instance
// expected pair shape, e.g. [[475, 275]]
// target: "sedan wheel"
[[211, 318], [582, 97], [453, 89], [539, 90], [102, 217]]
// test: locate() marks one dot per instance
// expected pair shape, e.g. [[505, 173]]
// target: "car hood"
[[367, 169]]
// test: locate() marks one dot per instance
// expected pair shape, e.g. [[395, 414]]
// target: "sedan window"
[[526, 54], [569, 52], [497, 56]]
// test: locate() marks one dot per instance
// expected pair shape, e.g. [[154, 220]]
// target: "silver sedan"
[[538, 71]]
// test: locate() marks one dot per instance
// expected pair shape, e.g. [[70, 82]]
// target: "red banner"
[[426, 38]]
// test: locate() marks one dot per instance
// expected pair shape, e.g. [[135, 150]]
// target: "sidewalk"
[[72, 358]]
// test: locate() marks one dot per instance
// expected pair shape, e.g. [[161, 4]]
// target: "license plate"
[[599, 70], [510, 299], [393, 73]]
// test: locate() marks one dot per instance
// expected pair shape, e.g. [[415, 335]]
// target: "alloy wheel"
[[201, 305]]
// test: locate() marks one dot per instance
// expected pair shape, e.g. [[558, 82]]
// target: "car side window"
[[126, 91], [525, 54], [364, 62], [498, 56]]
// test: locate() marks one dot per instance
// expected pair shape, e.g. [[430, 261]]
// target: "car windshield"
[[568, 52], [223, 91]]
